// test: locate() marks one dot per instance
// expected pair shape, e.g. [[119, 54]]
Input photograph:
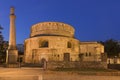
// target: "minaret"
[[12, 52], [12, 35]]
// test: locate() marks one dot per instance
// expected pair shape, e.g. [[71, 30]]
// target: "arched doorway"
[[43, 63]]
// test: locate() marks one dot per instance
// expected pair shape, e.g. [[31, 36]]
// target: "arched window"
[[69, 45], [44, 44], [86, 54], [89, 54]]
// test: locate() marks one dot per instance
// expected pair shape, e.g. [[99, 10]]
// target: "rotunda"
[[51, 41]]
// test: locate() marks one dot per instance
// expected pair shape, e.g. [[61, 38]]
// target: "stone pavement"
[[39, 74]]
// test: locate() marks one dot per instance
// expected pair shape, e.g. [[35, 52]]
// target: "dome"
[[52, 29]]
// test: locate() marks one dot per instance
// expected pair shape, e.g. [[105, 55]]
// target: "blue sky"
[[93, 20]]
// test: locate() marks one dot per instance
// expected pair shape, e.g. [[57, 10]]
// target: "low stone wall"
[[114, 66], [84, 64], [16, 65]]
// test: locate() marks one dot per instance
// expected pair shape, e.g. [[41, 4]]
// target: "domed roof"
[[52, 29]]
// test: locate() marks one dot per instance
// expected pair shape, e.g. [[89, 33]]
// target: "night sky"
[[93, 20]]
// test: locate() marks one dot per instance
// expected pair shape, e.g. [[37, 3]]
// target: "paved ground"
[[39, 74]]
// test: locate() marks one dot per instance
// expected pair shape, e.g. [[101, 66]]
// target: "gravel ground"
[[39, 74]]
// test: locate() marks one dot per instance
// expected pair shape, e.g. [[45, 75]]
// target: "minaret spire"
[[12, 52], [12, 37], [12, 11]]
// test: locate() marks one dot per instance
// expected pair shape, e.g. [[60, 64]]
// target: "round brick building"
[[52, 41]]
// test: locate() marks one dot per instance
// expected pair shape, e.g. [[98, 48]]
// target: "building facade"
[[54, 41], [91, 51]]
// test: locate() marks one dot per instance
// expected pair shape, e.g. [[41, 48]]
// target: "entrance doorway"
[[43, 63], [66, 56]]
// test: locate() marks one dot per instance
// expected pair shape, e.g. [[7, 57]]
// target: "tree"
[[1, 44], [1, 37], [3, 47], [112, 47]]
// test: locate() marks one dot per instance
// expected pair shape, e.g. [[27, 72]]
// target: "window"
[[44, 44], [86, 54], [89, 54], [69, 45]]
